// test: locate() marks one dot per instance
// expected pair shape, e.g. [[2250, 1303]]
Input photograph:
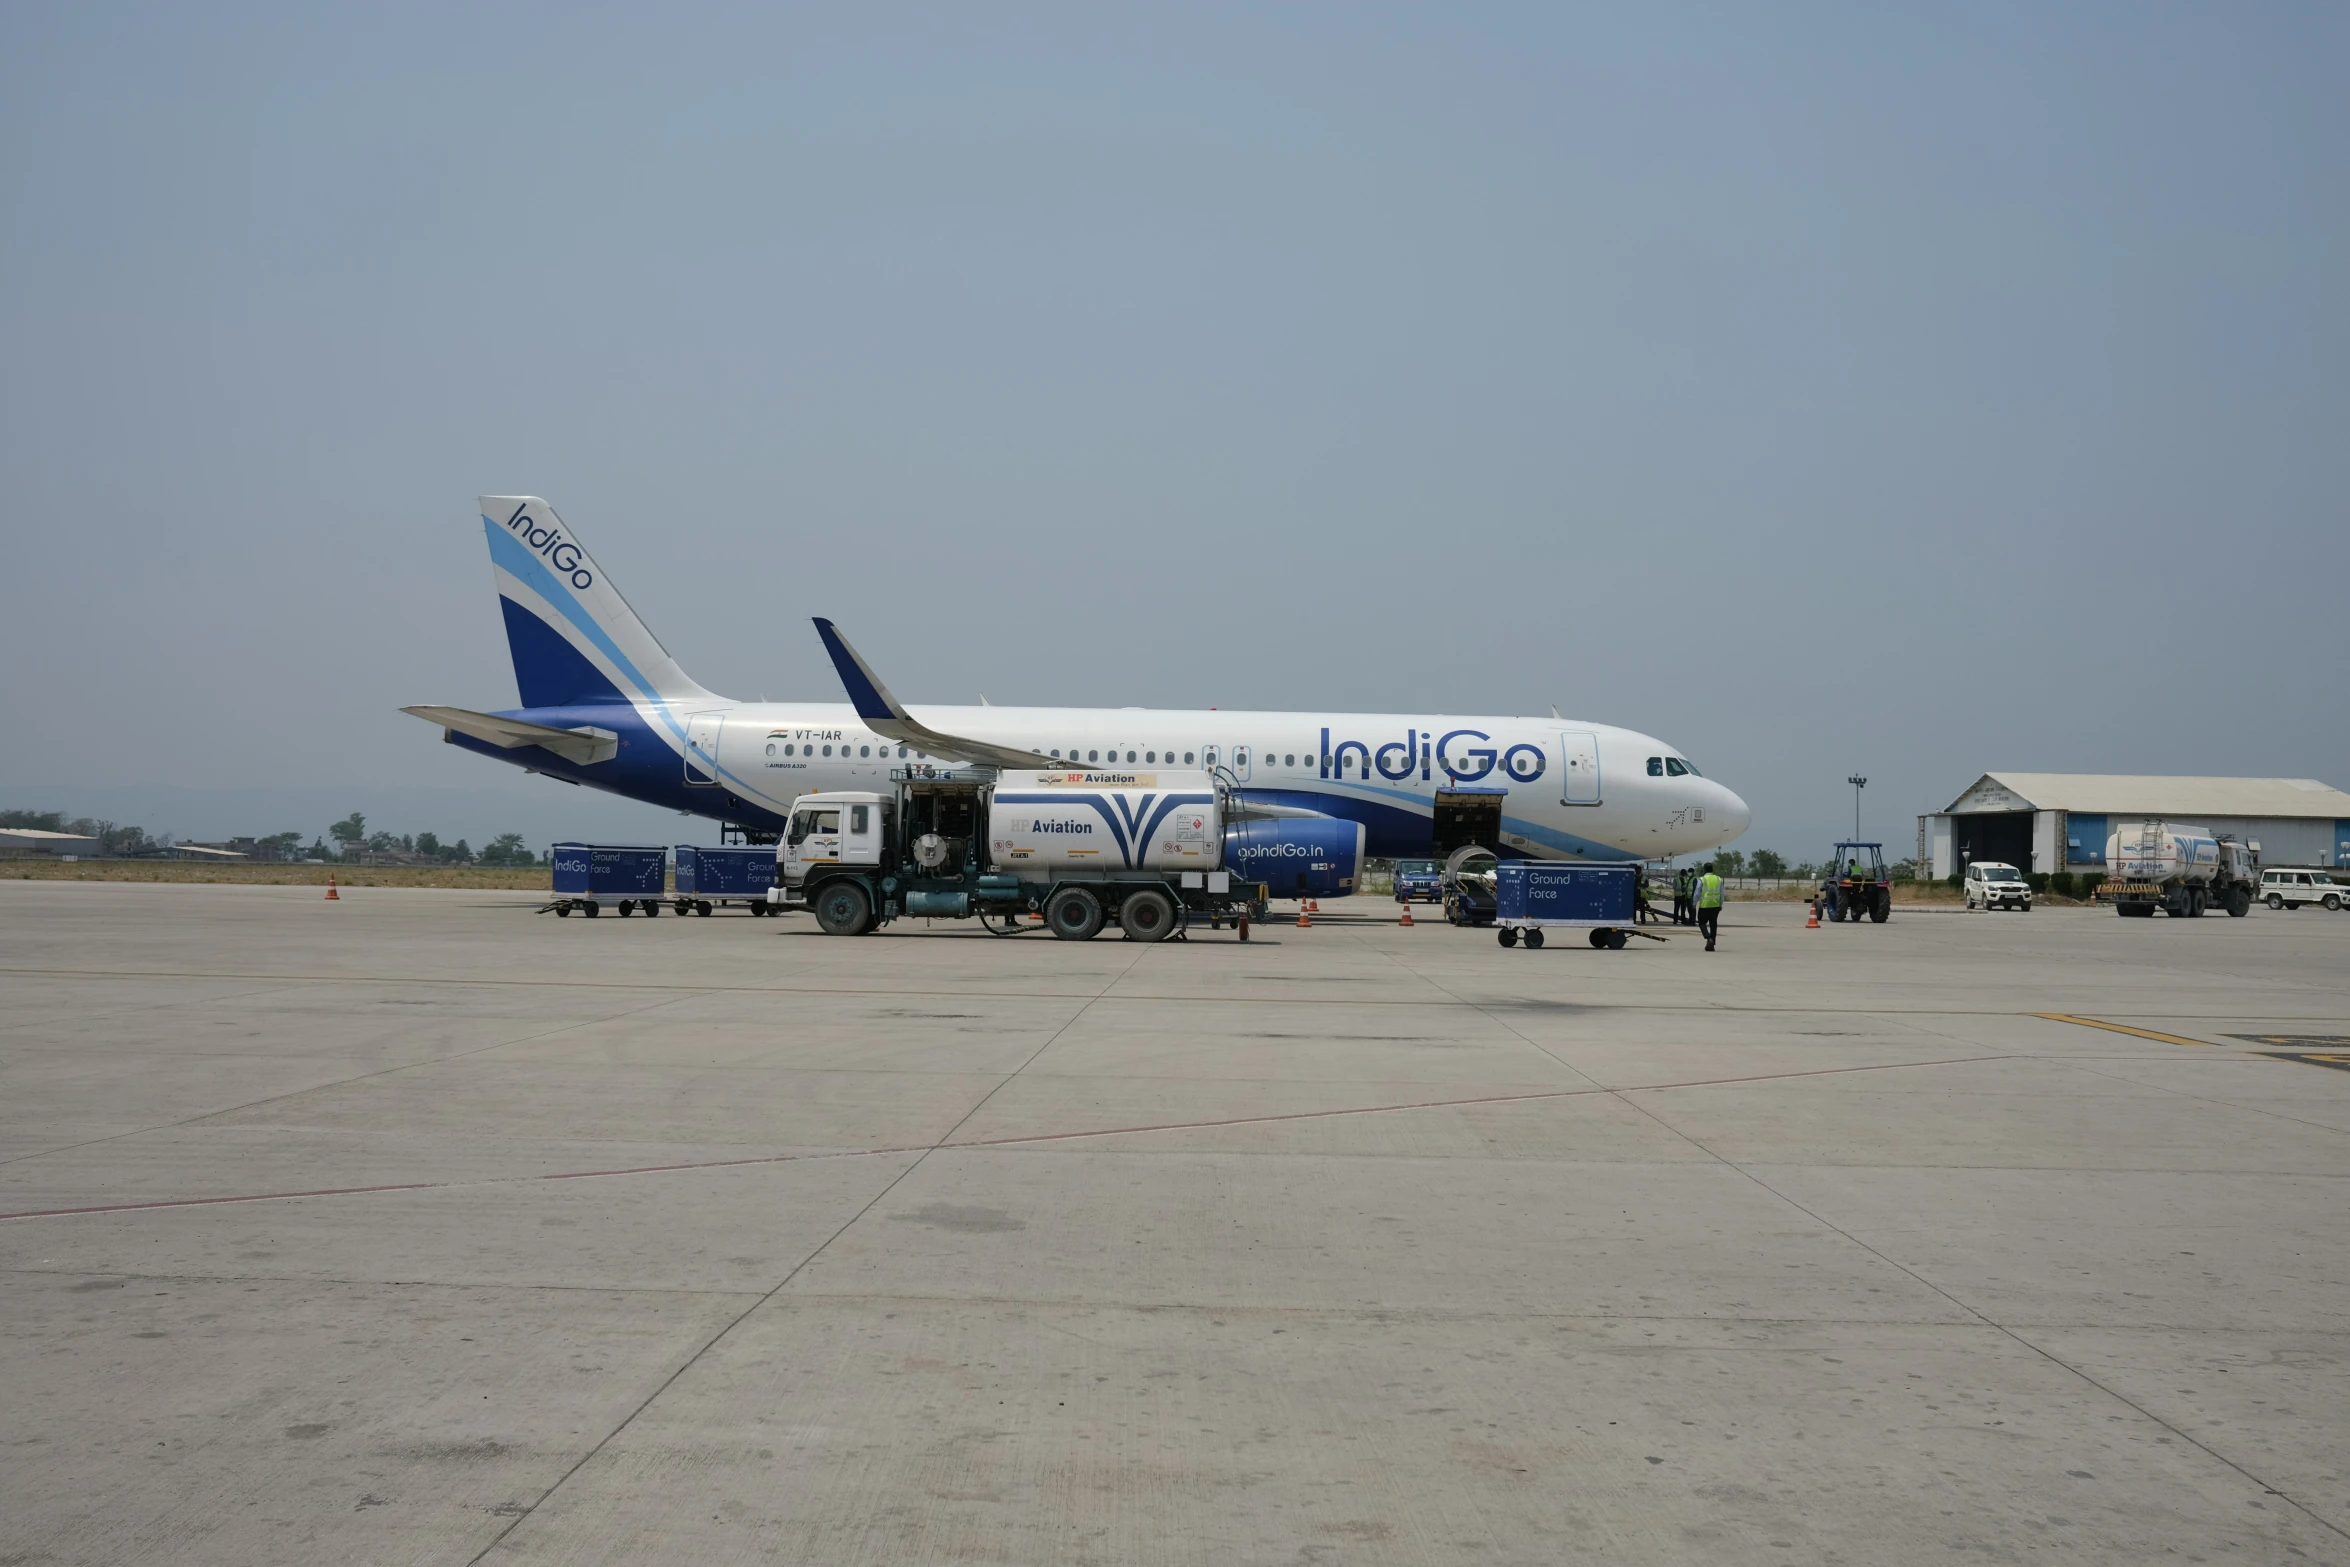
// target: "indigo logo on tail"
[[548, 541]]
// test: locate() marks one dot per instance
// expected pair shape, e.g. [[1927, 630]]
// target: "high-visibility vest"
[[1709, 892]]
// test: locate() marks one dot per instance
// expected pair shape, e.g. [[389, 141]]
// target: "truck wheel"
[[1148, 915], [1507, 936], [2239, 904], [1881, 905], [842, 909], [1534, 940], [1073, 914]]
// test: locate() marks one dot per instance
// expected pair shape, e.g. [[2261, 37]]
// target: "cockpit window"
[[1656, 767], [1675, 767]]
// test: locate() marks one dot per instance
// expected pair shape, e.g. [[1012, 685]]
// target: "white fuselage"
[[1573, 790]]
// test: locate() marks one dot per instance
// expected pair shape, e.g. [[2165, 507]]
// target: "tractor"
[[1856, 885]]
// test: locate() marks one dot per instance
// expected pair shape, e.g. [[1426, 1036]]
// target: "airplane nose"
[[1734, 814]]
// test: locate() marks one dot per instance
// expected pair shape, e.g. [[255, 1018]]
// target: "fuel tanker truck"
[[2179, 869], [1143, 851]]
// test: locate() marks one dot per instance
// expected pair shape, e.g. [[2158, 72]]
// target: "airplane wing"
[[885, 715], [582, 745]]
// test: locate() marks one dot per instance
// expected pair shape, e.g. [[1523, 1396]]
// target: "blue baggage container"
[[586, 873], [707, 878], [1532, 896]]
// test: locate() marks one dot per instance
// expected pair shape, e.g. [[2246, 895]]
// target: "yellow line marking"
[[2119, 1028]]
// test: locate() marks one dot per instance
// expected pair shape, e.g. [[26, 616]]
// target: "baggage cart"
[[713, 878], [1532, 896], [587, 874]]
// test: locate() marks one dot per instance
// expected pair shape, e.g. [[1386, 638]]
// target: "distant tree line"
[[347, 839], [352, 839], [1770, 865]]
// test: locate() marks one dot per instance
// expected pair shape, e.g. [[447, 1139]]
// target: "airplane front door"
[[1578, 769]]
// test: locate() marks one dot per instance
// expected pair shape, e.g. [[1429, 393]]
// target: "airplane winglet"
[[886, 715], [867, 694]]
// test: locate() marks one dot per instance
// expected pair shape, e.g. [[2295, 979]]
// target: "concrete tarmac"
[[420, 1227]]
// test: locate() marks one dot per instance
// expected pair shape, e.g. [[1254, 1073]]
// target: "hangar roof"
[[24, 836], [2130, 794]]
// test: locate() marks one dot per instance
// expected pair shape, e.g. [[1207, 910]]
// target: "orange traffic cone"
[[1314, 905], [1406, 921], [1814, 922], [1303, 923], [332, 896]]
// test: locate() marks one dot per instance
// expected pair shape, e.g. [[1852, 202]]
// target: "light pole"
[[1858, 784]]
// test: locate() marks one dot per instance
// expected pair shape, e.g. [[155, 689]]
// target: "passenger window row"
[[1095, 755], [863, 750]]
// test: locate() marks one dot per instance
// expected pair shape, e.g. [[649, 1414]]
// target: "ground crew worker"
[[1681, 909], [1709, 906]]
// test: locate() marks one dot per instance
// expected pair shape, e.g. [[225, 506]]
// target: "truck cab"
[[843, 828]]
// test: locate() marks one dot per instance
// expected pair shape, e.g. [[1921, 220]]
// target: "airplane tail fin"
[[574, 639]]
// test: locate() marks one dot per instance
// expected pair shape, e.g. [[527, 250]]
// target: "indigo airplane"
[[603, 704]]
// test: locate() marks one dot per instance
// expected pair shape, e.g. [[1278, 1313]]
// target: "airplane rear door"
[[1578, 768], [701, 757]]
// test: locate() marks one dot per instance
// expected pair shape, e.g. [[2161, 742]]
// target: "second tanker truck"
[[2178, 869]]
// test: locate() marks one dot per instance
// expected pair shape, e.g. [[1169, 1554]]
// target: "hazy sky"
[[1917, 390]]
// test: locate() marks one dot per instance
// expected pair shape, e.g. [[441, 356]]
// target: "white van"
[[2291, 889], [1991, 885]]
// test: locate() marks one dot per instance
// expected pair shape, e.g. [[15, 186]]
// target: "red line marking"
[[983, 1142]]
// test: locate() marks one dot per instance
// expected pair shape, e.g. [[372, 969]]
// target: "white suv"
[[2291, 889], [1991, 885]]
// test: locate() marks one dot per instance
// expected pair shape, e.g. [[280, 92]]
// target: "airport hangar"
[[2060, 821]]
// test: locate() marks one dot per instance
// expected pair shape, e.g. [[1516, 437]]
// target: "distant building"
[[2060, 821], [20, 841]]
